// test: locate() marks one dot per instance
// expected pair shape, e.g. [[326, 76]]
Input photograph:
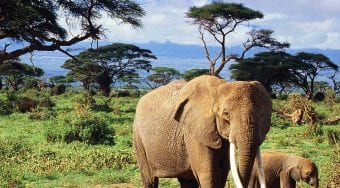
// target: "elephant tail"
[[142, 159]]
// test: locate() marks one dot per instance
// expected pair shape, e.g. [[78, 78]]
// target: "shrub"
[[42, 113], [279, 122], [319, 96], [90, 129], [40, 98], [25, 104], [330, 98], [59, 89], [135, 93], [298, 102], [333, 137], [5, 105]]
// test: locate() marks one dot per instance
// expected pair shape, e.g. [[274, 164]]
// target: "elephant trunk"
[[314, 182], [247, 143]]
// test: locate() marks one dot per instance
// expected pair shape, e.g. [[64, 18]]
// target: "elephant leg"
[[287, 182], [188, 183], [150, 182], [148, 179]]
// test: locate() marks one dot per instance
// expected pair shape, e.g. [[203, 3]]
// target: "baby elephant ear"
[[193, 110], [294, 172]]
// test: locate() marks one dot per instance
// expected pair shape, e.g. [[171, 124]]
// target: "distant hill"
[[194, 51], [197, 51]]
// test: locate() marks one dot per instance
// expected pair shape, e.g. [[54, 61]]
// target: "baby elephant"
[[283, 170]]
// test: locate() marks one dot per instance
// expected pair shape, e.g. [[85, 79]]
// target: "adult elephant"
[[185, 130], [284, 170]]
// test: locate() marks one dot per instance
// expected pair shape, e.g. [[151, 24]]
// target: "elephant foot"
[[188, 183]]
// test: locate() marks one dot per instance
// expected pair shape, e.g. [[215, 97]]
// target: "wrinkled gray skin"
[[283, 170], [183, 130]]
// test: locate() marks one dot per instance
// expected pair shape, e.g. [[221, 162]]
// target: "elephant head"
[[305, 170], [211, 109]]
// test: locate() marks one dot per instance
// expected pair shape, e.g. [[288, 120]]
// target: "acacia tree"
[[193, 73], [162, 76], [106, 64], [269, 68], [220, 19], [305, 67], [14, 72], [35, 22]]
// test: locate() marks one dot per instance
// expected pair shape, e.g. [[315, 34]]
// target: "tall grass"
[[34, 153]]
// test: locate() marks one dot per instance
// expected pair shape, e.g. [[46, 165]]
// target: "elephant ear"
[[265, 112], [194, 111], [293, 168]]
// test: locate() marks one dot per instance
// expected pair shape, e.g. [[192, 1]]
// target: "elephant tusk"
[[233, 165], [260, 169]]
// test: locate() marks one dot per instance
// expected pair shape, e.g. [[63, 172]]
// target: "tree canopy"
[[36, 22], [269, 68], [282, 69], [162, 76], [107, 64], [193, 73], [307, 66], [14, 72], [220, 19]]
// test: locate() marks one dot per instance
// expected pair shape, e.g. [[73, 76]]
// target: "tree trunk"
[[105, 88]]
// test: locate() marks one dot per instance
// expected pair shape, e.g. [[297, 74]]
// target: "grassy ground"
[[34, 153]]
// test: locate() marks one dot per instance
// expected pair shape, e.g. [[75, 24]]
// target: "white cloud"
[[303, 23]]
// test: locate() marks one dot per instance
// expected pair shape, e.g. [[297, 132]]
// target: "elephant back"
[[159, 103]]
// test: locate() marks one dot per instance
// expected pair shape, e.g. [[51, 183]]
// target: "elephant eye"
[[226, 115]]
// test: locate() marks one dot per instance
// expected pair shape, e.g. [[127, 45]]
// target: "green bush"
[[13, 153], [6, 107], [42, 98], [134, 93], [90, 129], [42, 113], [25, 104], [59, 89], [279, 122]]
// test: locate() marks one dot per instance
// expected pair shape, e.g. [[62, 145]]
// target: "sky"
[[302, 23]]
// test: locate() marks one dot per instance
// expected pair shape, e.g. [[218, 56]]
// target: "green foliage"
[[6, 106], [333, 136], [277, 121], [269, 68], [305, 68], [162, 76], [109, 63], [134, 93], [281, 69], [14, 72], [35, 154], [330, 98], [90, 129], [35, 22], [24, 101], [58, 89], [220, 19], [193, 73], [221, 12]]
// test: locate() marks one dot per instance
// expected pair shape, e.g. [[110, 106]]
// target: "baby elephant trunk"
[[314, 182]]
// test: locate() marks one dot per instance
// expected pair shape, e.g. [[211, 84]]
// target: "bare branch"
[[212, 61], [39, 46]]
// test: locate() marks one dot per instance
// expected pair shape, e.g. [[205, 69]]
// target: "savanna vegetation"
[[53, 135], [82, 140]]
